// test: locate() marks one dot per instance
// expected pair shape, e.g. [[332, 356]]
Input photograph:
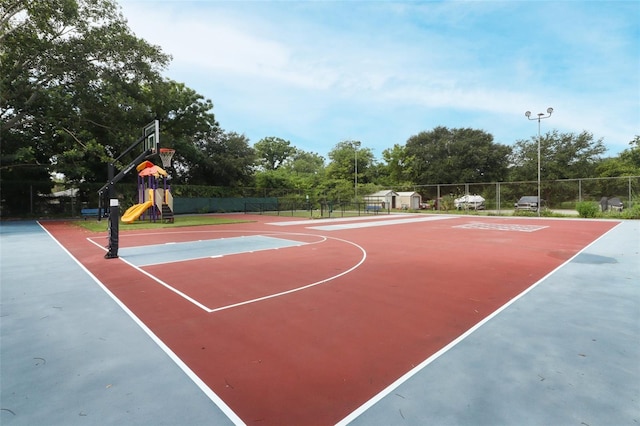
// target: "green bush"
[[587, 209], [524, 213], [632, 213], [545, 212]]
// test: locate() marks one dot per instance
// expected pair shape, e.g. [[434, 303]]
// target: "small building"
[[385, 199], [409, 200]]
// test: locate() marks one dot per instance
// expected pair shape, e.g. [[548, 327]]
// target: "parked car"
[[529, 203], [611, 204], [471, 202], [615, 204]]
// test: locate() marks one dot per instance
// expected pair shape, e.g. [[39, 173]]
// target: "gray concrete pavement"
[[565, 353], [70, 355]]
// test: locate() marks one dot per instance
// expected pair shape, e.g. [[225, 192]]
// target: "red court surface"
[[306, 334]]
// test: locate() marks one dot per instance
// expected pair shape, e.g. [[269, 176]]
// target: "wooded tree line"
[[77, 86]]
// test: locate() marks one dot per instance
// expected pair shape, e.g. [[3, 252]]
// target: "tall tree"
[[627, 163], [226, 160], [186, 125], [631, 155], [302, 172], [456, 156], [302, 162], [347, 157], [349, 162], [306, 171], [272, 152], [397, 168], [69, 55], [70, 72], [563, 156]]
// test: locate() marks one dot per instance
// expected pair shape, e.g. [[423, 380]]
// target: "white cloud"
[[292, 67]]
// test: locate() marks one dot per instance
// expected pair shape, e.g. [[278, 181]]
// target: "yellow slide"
[[135, 211]]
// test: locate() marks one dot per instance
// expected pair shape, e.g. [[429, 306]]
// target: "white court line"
[[226, 410], [340, 219], [501, 227], [395, 221], [230, 253], [271, 296], [96, 244], [259, 299], [158, 280], [393, 386], [320, 239]]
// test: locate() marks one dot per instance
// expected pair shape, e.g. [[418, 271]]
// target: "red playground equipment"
[[154, 200]]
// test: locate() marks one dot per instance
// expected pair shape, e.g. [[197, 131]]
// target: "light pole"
[[540, 116], [356, 145]]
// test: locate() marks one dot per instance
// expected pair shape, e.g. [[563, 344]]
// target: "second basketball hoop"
[[166, 154]]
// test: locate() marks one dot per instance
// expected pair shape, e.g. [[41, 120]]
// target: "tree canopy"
[[77, 86], [348, 158], [563, 156], [69, 69], [272, 152], [70, 78], [398, 166], [455, 155]]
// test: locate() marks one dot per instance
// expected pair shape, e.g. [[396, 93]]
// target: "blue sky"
[[320, 72]]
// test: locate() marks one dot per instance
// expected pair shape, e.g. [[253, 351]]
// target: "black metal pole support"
[[114, 205], [114, 216]]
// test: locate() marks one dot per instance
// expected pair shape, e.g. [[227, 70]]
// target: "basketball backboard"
[[151, 133]]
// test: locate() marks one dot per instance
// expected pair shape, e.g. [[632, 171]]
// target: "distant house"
[[385, 199], [72, 192], [55, 197], [409, 200]]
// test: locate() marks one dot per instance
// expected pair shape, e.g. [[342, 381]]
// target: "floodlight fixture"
[[540, 117]]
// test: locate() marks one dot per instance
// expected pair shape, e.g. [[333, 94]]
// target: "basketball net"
[[165, 155]]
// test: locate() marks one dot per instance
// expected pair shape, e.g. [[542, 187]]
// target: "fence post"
[[579, 190]]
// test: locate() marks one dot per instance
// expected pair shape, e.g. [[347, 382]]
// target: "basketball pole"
[[110, 189], [114, 212]]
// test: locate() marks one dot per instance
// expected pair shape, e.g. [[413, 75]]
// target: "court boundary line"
[[257, 299], [214, 397], [371, 224], [341, 219], [408, 375]]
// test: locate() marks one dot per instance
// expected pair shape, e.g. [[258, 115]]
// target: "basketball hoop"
[[165, 155]]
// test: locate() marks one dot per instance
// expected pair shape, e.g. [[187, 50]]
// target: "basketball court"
[[395, 319]]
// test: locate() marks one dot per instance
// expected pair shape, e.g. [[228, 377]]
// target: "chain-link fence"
[[316, 208], [60, 200], [557, 194], [67, 201]]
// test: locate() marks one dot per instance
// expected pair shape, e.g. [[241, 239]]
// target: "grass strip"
[[179, 221]]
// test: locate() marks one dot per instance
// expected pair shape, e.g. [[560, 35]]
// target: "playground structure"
[[108, 200], [154, 200]]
